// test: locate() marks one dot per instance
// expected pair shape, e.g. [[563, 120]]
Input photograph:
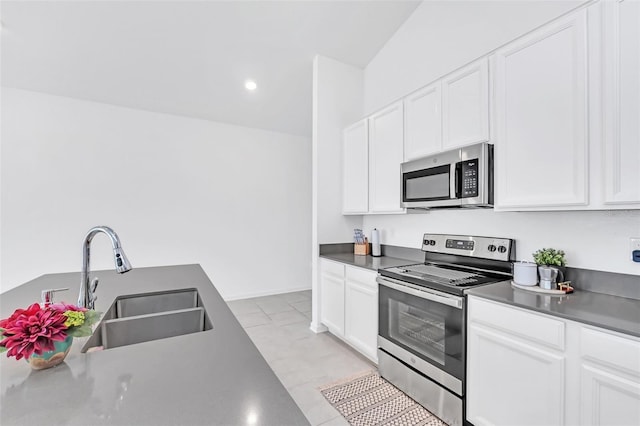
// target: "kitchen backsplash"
[[596, 240]]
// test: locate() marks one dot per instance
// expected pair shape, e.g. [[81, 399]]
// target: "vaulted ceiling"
[[192, 58]]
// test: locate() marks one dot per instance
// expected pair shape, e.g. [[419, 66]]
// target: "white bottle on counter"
[[375, 243]]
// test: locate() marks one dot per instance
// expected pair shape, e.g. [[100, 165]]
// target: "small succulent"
[[549, 256]]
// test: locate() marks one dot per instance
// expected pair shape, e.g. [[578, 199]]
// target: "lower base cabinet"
[[609, 379], [332, 291], [349, 305], [361, 311], [516, 373], [526, 368]]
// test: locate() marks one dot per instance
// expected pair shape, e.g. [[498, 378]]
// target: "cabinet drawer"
[[362, 276], [332, 268], [527, 325], [611, 350]]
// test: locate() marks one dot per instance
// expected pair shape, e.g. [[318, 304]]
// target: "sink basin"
[[140, 318], [132, 305]]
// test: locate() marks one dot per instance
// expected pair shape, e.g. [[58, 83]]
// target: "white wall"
[[337, 102], [441, 36], [338, 93], [436, 39], [176, 190]]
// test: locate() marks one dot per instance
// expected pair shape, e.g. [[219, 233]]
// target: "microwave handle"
[[458, 179], [453, 181]]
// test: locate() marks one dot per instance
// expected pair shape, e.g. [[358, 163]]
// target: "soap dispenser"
[[47, 295]]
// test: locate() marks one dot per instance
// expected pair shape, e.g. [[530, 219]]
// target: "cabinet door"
[[541, 118], [423, 122], [465, 105], [355, 169], [385, 157], [361, 317], [609, 379], [332, 297], [621, 59], [510, 382]]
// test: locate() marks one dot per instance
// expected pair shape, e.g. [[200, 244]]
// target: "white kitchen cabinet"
[[621, 101], [385, 156], [524, 367], [515, 366], [332, 296], [449, 113], [355, 157], [361, 313], [609, 378], [349, 305], [541, 118], [465, 105], [423, 122]]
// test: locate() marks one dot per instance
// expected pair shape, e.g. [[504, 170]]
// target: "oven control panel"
[[460, 244], [463, 245]]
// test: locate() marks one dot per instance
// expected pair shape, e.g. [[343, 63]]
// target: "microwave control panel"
[[470, 178]]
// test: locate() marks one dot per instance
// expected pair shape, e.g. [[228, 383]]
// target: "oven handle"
[[445, 299]]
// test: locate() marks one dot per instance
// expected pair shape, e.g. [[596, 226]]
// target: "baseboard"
[[264, 293], [318, 328]]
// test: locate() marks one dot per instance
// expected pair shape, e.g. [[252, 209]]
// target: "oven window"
[[418, 329], [430, 330]]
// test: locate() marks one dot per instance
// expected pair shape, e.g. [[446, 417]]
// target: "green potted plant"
[[549, 257], [551, 264]]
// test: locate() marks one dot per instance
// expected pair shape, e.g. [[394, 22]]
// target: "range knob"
[[502, 249], [432, 242], [491, 248]]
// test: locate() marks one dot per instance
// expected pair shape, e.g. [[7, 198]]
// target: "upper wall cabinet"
[[423, 122], [385, 156], [355, 157], [465, 105], [541, 118], [372, 151], [621, 101], [452, 112]]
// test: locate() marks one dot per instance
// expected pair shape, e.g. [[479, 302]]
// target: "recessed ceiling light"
[[250, 85]]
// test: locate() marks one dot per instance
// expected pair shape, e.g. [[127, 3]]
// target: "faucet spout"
[[87, 296]]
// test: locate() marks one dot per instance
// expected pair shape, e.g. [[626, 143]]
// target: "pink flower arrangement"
[[35, 329]]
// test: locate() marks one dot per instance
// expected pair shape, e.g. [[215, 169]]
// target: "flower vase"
[[52, 358]]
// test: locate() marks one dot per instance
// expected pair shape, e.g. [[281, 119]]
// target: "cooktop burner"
[[439, 274], [454, 263]]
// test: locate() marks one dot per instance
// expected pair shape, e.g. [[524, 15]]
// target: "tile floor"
[[302, 360]]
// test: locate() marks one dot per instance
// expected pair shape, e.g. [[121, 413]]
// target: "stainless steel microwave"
[[458, 178]]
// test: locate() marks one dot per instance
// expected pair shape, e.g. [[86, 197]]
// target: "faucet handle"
[[94, 284], [92, 292], [47, 295]]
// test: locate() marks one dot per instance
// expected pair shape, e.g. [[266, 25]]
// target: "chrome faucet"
[[88, 287]]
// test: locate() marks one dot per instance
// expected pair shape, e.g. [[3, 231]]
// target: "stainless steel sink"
[[140, 318], [132, 305]]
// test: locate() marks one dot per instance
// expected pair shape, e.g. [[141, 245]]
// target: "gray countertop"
[[368, 262], [215, 377], [611, 312]]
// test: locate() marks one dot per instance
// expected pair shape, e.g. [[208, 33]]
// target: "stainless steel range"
[[422, 317]]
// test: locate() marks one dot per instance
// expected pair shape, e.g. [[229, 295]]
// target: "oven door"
[[424, 328]]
